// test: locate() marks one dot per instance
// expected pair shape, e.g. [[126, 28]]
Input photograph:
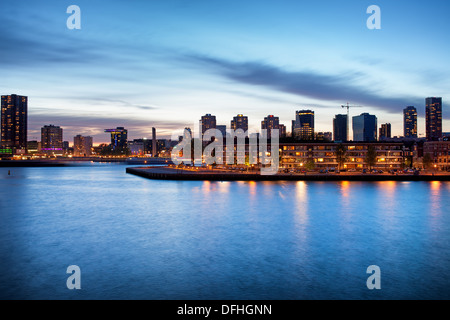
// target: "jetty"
[[174, 173]]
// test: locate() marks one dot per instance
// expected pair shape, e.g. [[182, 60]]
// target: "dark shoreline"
[[73, 162], [165, 173]]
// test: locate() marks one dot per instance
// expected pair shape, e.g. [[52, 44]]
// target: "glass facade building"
[[303, 125], [365, 127]]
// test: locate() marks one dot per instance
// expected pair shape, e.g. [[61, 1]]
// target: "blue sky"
[[164, 64]]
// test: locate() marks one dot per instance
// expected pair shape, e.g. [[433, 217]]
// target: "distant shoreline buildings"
[[14, 130]]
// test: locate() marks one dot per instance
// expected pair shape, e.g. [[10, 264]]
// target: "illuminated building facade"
[[240, 122], [323, 155], [207, 122], [82, 146], [52, 140], [433, 117], [119, 137], [14, 123], [385, 131], [410, 122], [303, 125], [269, 123]]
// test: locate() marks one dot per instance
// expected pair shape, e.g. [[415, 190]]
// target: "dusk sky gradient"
[[164, 64]]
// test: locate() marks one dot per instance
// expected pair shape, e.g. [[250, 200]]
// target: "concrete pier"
[[172, 173]]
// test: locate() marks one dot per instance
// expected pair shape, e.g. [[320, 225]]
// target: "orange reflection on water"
[[224, 186], [435, 198], [252, 189], [206, 187], [435, 186], [345, 189], [209, 187], [387, 190], [301, 188]]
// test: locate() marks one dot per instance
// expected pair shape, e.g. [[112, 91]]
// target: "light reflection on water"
[[141, 239]]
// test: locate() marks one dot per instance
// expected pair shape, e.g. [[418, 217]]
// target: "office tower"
[[269, 123], [119, 137], [365, 127], [240, 122], [222, 129], [82, 146], [207, 122], [52, 139], [433, 116], [385, 131], [303, 125], [410, 122], [154, 143], [14, 122], [340, 123]]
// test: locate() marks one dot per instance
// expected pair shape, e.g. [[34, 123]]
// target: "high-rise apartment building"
[[82, 146], [385, 131], [52, 139], [340, 123], [207, 122], [410, 122], [14, 123], [269, 123], [240, 122], [433, 116]]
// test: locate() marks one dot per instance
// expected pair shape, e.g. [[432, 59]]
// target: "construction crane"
[[348, 117]]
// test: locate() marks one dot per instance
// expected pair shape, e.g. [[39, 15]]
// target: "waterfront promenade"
[[173, 173]]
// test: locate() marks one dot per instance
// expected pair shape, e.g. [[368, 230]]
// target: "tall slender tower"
[[14, 122], [433, 115], [340, 124], [410, 122], [154, 143]]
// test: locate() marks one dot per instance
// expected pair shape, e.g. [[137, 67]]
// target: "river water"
[[134, 238]]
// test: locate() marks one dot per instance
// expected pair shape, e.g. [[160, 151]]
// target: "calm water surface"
[[141, 239]]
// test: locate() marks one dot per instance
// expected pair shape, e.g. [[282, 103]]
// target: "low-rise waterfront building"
[[439, 152], [324, 156]]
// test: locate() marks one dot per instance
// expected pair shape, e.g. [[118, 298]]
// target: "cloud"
[[113, 102], [95, 125], [340, 88]]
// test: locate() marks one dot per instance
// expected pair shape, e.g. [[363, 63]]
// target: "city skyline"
[[304, 120], [164, 64]]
